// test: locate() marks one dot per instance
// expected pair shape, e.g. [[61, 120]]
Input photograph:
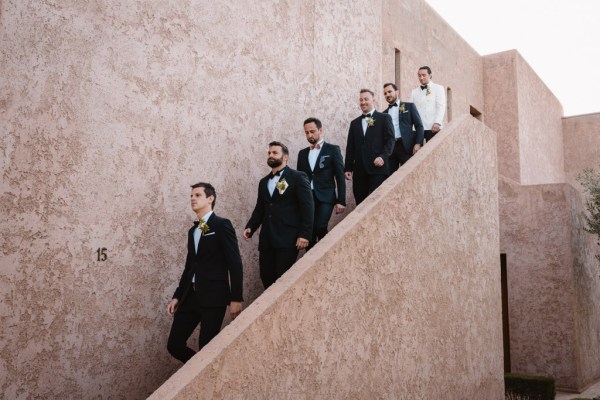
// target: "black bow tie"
[[393, 105], [423, 87], [273, 175], [367, 116]]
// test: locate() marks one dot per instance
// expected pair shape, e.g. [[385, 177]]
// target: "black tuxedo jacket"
[[409, 118], [285, 216], [328, 172], [217, 263], [363, 149]]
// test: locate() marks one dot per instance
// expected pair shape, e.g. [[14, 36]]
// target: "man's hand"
[[339, 208], [348, 175], [378, 162], [301, 243], [435, 128], [235, 308], [247, 233], [416, 148], [172, 307]]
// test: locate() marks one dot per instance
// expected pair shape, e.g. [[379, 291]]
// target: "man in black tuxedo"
[[323, 164], [370, 144], [408, 128], [204, 291], [285, 209]]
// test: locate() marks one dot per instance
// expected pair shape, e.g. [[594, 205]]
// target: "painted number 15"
[[102, 256]]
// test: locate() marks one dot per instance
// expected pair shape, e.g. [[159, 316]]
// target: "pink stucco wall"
[[540, 128], [535, 236], [424, 38], [527, 118], [581, 137], [109, 111], [376, 310]]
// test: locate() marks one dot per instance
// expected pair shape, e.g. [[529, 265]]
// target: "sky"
[[559, 39]]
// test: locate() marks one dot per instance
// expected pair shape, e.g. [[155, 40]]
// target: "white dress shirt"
[[313, 155], [432, 106], [273, 182], [364, 121], [197, 235], [394, 112]]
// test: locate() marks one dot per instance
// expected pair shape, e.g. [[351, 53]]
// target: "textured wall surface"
[[581, 136], [424, 38], [535, 235], [374, 311], [540, 128], [527, 118], [502, 110], [109, 110], [586, 272]]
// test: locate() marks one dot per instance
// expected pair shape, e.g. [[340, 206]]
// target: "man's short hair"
[[209, 190], [315, 120], [284, 148], [427, 68], [367, 91], [391, 84]]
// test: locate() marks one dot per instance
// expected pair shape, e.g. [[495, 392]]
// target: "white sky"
[[560, 39]]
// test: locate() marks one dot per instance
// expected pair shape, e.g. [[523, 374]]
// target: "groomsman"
[[408, 127], [430, 100], [204, 291], [369, 146], [285, 209], [323, 164]]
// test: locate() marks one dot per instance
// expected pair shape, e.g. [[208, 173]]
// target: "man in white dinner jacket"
[[430, 100]]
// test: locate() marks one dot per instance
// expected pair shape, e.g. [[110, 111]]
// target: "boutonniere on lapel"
[[370, 121], [402, 108], [428, 91], [281, 186], [202, 225]]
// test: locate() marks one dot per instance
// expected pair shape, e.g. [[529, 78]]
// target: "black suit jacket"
[[409, 118], [328, 172], [284, 217], [217, 263], [363, 149]]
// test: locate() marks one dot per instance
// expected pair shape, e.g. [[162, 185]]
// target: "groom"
[[284, 208], [204, 291]]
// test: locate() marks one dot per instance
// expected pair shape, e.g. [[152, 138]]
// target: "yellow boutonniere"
[[202, 225], [402, 108], [370, 121], [281, 186], [428, 92]]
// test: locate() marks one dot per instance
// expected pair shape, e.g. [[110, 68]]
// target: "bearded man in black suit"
[[323, 164], [369, 146], [284, 208], [204, 291], [408, 128]]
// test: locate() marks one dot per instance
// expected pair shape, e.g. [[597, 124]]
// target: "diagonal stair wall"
[[401, 300]]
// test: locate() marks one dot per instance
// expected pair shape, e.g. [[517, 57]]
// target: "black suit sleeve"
[[389, 137], [230, 246], [306, 205], [340, 180], [186, 271], [418, 124], [350, 151], [258, 213]]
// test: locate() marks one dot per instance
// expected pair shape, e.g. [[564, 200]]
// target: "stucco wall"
[[376, 310], [535, 234], [581, 137], [540, 128], [502, 110], [586, 271], [425, 38], [109, 111]]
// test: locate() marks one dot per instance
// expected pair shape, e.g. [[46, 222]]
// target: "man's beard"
[[274, 162]]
